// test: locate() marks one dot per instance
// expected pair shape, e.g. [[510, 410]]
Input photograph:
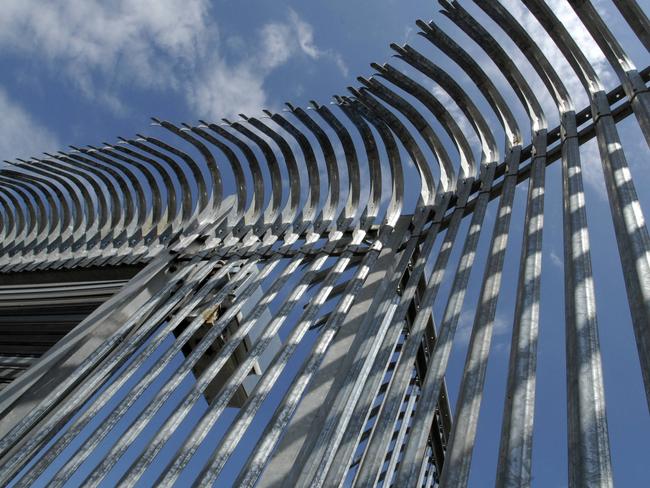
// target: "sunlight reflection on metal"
[[268, 320]]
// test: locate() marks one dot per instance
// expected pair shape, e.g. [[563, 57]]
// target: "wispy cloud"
[[225, 90], [97, 44], [556, 259], [222, 90], [283, 39], [589, 152], [592, 170], [466, 321], [445, 99], [579, 33], [104, 46], [20, 134], [305, 37]]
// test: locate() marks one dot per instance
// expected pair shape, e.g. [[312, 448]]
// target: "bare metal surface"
[[282, 331]]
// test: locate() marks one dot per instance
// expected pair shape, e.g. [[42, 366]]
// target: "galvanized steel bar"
[[341, 267]]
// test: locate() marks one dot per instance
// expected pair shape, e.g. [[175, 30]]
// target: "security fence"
[[251, 302]]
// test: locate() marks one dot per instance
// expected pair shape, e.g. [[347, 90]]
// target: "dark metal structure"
[[250, 302]]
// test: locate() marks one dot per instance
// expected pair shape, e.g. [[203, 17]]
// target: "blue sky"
[[83, 72]]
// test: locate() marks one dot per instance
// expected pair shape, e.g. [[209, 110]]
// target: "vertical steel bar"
[[459, 451], [433, 380], [515, 451]]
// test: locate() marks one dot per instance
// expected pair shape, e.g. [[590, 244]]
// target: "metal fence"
[[277, 328]]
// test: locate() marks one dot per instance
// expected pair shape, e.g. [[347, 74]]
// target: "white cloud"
[[276, 39], [501, 325], [20, 135], [409, 31], [225, 91], [466, 321], [340, 64], [464, 330], [96, 43], [590, 158], [457, 114], [572, 23], [104, 45], [556, 259], [305, 36], [592, 170], [280, 40]]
